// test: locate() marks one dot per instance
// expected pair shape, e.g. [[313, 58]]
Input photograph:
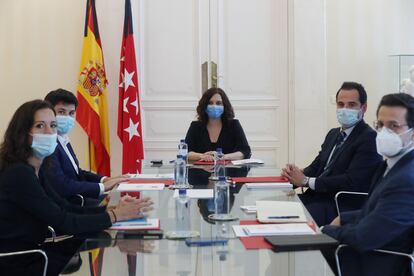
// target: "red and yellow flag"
[[92, 112]]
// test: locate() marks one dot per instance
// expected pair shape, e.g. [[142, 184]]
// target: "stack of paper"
[[278, 229], [272, 229], [129, 187], [269, 185], [197, 193], [249, 208], [280, 212], [136, 224], [247, 161], [153, 176]]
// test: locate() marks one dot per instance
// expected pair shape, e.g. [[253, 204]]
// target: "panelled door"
[[241, 46]]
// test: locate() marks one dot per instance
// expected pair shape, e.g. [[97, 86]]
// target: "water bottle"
[[180, 170], [220, 169], [183, 149], [221, 199], [182, 213]]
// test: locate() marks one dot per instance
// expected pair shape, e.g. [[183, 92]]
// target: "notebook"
[[137, 224], [128, 187], [164, 176], [278, 229], [280, 212], [300, 242]]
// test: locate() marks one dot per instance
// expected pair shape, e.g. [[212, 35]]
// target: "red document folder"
[[259, 179], [259, 242], [226, 162], [254, 242]]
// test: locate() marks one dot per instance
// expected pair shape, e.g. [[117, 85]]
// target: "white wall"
[[360, 37], [40, 50], [330, 41], [309, 78]]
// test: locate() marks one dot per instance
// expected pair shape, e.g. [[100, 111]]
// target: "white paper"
[[238, 230], [278, 229], [280, 212], [269, 185], [164, 176], [249, 208], [130, 187], [247, 161], [136, 224], [197, 193]]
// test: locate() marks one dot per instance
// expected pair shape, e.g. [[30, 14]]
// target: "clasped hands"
[[210, 156], [130, 207], [294, 174]]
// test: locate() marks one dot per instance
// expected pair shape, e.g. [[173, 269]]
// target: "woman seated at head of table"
[[216, 128], [28, 204]]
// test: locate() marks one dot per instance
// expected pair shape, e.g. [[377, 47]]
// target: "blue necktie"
[[338, 144]]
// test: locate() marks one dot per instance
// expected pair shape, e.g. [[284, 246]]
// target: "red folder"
[[254, 242], [259, 242], [259, 179], [226, 162], [167, 182]]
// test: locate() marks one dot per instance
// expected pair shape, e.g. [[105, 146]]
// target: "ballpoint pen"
[[282, 217]]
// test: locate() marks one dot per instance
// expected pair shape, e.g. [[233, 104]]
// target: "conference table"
[[112, 253]]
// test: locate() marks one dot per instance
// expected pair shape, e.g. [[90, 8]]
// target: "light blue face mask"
[[43, 145], [348, 117], [64, 124], [214, 111]]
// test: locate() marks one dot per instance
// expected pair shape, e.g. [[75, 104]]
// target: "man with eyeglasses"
[[386, 220], [346, 162]]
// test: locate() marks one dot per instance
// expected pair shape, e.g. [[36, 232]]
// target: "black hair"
[[349, 85], [61, 95], [401, 100], [228, 113]]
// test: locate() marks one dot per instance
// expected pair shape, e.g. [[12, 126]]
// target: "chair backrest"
[[345, 194], [34, 251]]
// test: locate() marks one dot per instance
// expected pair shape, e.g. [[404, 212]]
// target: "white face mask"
[[390, 144]]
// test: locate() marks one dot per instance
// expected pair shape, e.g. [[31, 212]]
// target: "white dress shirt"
[[347, 131]]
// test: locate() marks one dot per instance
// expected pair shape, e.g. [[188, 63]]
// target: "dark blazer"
[[386, 221], [28, 205], [351, 170], [231, 138], [59, 171]]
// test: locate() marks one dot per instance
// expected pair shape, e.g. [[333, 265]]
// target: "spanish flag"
[[92, 112]]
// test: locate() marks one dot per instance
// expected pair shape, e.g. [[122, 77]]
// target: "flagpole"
[[89, 154]]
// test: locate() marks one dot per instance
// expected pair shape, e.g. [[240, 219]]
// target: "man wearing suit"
[[62, 168], [386, 221], [346, 162]]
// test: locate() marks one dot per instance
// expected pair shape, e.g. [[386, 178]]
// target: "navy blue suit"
[[386, 221], [351, 169], [59, 171]]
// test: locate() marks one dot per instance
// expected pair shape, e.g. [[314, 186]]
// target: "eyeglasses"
[[378, 125]]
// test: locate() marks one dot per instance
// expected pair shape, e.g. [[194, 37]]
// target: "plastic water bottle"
[[183, 149], [222, 199], [220, 169], [180, 171], [182, 213]]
